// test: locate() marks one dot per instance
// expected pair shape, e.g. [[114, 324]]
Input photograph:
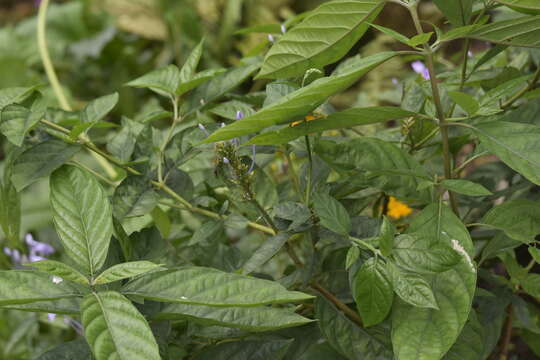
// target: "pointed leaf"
[[524, 6], [332, 214], [373, 292], [458, 12], [246, 350], [133, 197], [82, 216], [412, 288], [197, 80], [252, 318], [465, 187], [124, 271], [61, 270], [73, 350], [10, 212], [97, 109], [386, 236], [207, 286], [300, 102], [264, 253], [190, 66], [322, 38], [519, 219], [163, 81], [115, 329], [465, 101], [523, 31], [15, 95], [16, 121]]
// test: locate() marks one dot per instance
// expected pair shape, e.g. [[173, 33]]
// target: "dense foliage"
[[356, 180]]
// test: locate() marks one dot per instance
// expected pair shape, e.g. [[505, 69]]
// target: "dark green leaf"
[[97, 109], [465, 187], [73, 350], [246, 350], [265, 252], [412, 288], [124, 271], [465, 101], [61, 270], [10, 212], [525, 6], [332, 214], [386, 236], [134, 197], [163, 81], [458, 12], [519, 219], [470, 343], [16, 121]]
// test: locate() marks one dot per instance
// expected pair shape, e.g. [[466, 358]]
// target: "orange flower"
[[397, 209], [307, 118]]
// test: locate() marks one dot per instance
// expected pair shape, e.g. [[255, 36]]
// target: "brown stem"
[[351, 314], [507, 334]]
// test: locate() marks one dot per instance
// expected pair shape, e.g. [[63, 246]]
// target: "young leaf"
[[246, 350], [124, 271], [16, 121], [465, 187], [82, 216], [253, 318], [23, 287], [423, 254], [411, 288], [420, 39], [323, 37], [197, 80], [373, 292], [211, 287], [458, 12], [133, 197], [332, 214], [514, 143], [339, 120], [386, 236], [97, 109], [519, 219], [40, 160], [301, 102], [163, 81], [525, 6], [190, 66], [264, 253], [465, 101], [453, 290], [61, 270], [535, 253], [115, 329]]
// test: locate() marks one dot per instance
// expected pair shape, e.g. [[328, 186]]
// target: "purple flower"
[[203, 129], [470, 53], [271, 38], [37, 247], [420, 68], [51, 317], [395, 81], [225, 160], [283, 29], [239, 115]]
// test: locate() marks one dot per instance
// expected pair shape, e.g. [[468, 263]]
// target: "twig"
[[507, 334], [351, 314]]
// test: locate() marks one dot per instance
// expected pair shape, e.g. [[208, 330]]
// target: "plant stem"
[[93, 172], [351, 314], [507, 334], [529, 87], [310, 170], [413, 9]]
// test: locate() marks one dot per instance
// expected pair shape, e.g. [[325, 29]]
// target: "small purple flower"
[[225, 160], [239, 115], [51, 317], [15, 256], [37, 247], [420, 68], [203, 129], [470, 53], [271, 38], [283, 29], [395, 81]]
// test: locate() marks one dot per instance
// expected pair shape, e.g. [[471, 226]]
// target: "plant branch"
[[310, 170], [351, 314], [507, 334]]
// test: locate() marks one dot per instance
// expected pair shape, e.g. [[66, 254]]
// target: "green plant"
[[228, 224]]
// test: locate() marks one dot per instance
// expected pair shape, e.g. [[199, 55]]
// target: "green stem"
[[95, 173], [310, 170]]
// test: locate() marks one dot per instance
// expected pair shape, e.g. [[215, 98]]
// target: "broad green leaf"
[[332, 214], [349, 339], [23, 287], [515, 144], [465, 101], [211, 287], [16, 121], [73, 350], [386, 236], [383, 165], [519, 219], [265, 29], [531, 285], [458, 12], [373, 292], [66, 306], [82, 216], [253, 318], [535, 253], [523, 31], [197, 80], [246, 350], [61, 270], [396, 35], [40, 160], [465, 187], [352, 255], [133, 197], [115, 329], [322, 38], [419, 39], [339, 120], [453, 290], [10, 212], [190, 66], [470, 343], [124, 271], [265, 252], [15, 95], [97, 109], [489, 102], [419, 253], [301, 102], [525, 6], [163, 81], [412, 288]]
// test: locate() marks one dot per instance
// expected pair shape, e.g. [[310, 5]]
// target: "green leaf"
[[197, 80], [396, 35], [531, 285], [322, 38], [535, 253], [15, 95], [252, 318], [211, 287], [61, 270], [246, 350], [373, 292], [453, 290], [384, 165], [97, 109], [515, 144], [523, 31], [73, 350], [339, 120], [190, 66], [115, 329], [16, 121], [423, 254], [525, 6], [10, 212], [23, 287], [349, 339], [82, 216], [470, 343], [265, 252], [465, 101], [420, 39], [386, 236], [133, 197], [412, 288], [519, 219], [40, 160], [163, 81], [124, 271], [465, 187], [332, 214], [458, 12], [297, 104]]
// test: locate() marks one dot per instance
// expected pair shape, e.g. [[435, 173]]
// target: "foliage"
[[272, 192]]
